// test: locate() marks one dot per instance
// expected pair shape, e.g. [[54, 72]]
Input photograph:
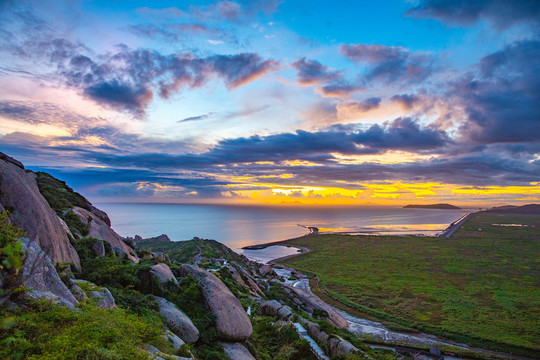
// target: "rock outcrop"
[[334, 344], [177, 321], [312, 302], [275, 309], [163, 273], [101, 295], [39, 275], [30, 211], [101, 230], [237, 351], [77, 292], [266, 270], [163, 238], [174, 340], [244, 279], [232, 322]]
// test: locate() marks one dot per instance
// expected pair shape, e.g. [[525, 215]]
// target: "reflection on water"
[[238, 226], [270, 253]]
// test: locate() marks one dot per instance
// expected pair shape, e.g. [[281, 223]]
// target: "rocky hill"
[[72, 288]]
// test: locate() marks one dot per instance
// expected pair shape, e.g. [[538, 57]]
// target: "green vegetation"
[[11, 255], [185, 251], [133, 290], [481, 286], [61, 198], [278, 341], [44, 331]]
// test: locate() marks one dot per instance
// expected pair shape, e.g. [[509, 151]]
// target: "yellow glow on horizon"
[[389, 157], [299, 163], [497, 190], [386, 193]]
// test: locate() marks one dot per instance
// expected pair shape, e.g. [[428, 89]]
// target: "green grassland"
[[481, 286]]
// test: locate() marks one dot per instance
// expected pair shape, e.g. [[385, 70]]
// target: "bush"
[[11, 255], [273, 341], [47, 331]]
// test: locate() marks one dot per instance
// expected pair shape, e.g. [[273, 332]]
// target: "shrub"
[[47, 331], [11, 255]]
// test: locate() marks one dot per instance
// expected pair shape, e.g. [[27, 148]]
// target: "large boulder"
[[177, 321], [313, 302], [101, 295], [232, 322], [266, 270], [99, 229], [269, 308], [237, 351], [274, 308], [38, 274], [163, 273], [31, 212]]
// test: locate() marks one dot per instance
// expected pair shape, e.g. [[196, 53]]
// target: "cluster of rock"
[[310, 302], [334, 344], [99, 229], [276, 309]]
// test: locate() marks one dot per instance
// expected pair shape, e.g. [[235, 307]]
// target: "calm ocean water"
[[238, 226]]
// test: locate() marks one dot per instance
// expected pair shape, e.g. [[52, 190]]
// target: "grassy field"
[[482, 285]]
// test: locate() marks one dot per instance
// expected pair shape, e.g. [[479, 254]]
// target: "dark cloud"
[[238, 70], [503, 101], [338, 89], [196, 118], [127, 79], [366, 105], [403, 133], [389, 63], [406, 100], [311, 72], [502, 13]]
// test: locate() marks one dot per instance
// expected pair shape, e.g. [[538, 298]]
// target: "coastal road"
[[454, 226]]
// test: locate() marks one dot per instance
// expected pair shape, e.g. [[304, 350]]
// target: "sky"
[[276, 102]]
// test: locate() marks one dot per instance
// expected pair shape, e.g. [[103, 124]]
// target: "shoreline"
[[452, 227]]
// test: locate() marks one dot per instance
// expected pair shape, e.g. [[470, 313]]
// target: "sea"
[[238, 226]]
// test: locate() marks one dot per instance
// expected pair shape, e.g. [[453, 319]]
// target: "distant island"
[[433, 206]]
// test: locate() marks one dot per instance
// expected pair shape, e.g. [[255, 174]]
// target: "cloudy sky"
[[268, 101]]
